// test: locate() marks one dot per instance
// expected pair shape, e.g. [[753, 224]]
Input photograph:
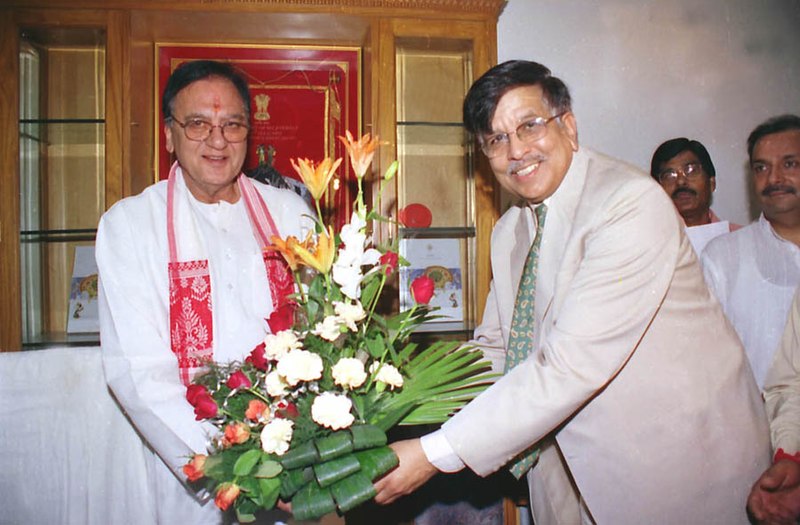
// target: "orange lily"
[[361, 151], [286, 248], [316, 176], [321, 258]]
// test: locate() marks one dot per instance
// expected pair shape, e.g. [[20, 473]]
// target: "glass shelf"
[[62, 132]]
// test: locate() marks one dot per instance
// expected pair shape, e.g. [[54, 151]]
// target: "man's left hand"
[[412, 472]]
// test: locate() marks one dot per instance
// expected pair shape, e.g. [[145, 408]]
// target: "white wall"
[[642, 72]]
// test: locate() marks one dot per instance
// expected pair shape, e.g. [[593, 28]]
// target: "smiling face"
[[532, 170], [691, 195], [776, 175], [210, 166]]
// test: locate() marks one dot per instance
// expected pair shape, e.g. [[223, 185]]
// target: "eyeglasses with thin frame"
[[199, 130], [692, 171], [529, 131]]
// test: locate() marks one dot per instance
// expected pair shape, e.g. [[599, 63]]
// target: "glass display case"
[[436, 186], [61, 180]]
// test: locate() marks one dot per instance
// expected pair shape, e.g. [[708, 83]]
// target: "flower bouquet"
[[305, 417]]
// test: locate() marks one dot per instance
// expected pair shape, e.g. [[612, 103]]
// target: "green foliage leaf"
[[268, 469], [246, 462], [270, 490], [312, 502]]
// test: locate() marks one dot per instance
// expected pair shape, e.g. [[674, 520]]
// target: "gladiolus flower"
[[361, 151], [226, 495], [349, 314], [238, 379], [282, 318], [422, 289], [256, 409], [194, 470], [257, 357], [236, 433], [316, 176], [389, 262], [319, 257]]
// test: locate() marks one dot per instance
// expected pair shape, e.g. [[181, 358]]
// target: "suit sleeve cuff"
[[439, 452]]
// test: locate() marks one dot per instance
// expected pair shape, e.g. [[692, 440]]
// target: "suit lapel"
[[558, 228]]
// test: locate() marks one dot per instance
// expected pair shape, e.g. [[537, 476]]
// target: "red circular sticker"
[[415, 216]]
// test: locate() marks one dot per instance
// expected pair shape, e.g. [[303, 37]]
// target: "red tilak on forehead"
[[217, 104]]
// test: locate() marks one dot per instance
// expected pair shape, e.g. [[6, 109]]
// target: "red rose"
[[226, 495], [204, 405], [287, 410], [193, 392], [282, 318], [205, 408], [257, 358], [389, 262], [422, 289], [238, 379], [194, 470]]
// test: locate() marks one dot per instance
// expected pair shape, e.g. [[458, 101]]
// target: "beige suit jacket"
[[635, 370]]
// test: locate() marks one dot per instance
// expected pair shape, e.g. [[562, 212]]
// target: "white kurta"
[[140, 367], [754, 273]]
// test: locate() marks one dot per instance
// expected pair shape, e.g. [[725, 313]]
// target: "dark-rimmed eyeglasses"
[[199, 130], [692, 171], [529, 131]]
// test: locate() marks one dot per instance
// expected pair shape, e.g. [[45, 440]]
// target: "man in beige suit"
[[636, 389]]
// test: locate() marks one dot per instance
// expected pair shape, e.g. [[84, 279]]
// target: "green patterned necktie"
[[522, 326]]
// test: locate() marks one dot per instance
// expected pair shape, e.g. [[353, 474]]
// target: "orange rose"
[[194, 469], [236, 433], [256, 409], [226, 495]]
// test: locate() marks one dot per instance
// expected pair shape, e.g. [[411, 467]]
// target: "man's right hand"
[[412, 472], [775, 497]]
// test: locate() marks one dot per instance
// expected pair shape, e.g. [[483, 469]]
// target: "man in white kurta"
[[212, 222], [776, 494], [755, 271]]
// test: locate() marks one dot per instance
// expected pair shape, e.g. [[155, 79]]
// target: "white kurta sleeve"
[[782, 388], [140, 367]]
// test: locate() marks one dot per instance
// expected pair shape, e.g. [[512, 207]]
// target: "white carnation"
[[349, 314], [328, 329], [278, 345], [387, 374], [332, 411], [276, 386], [300, 365], [349, 372], [276, 436]]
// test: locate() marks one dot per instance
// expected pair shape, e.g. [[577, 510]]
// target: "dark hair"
[[768, 127], [673, 147], [190, 72], [482, 98]]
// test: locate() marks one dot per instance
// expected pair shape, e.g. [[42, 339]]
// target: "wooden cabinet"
[[418, 57]]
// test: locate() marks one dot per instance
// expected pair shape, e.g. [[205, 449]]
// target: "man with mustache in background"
[[684, 169], [755, 271]]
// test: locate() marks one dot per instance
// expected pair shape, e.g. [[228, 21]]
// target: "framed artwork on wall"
[[302, 99]]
